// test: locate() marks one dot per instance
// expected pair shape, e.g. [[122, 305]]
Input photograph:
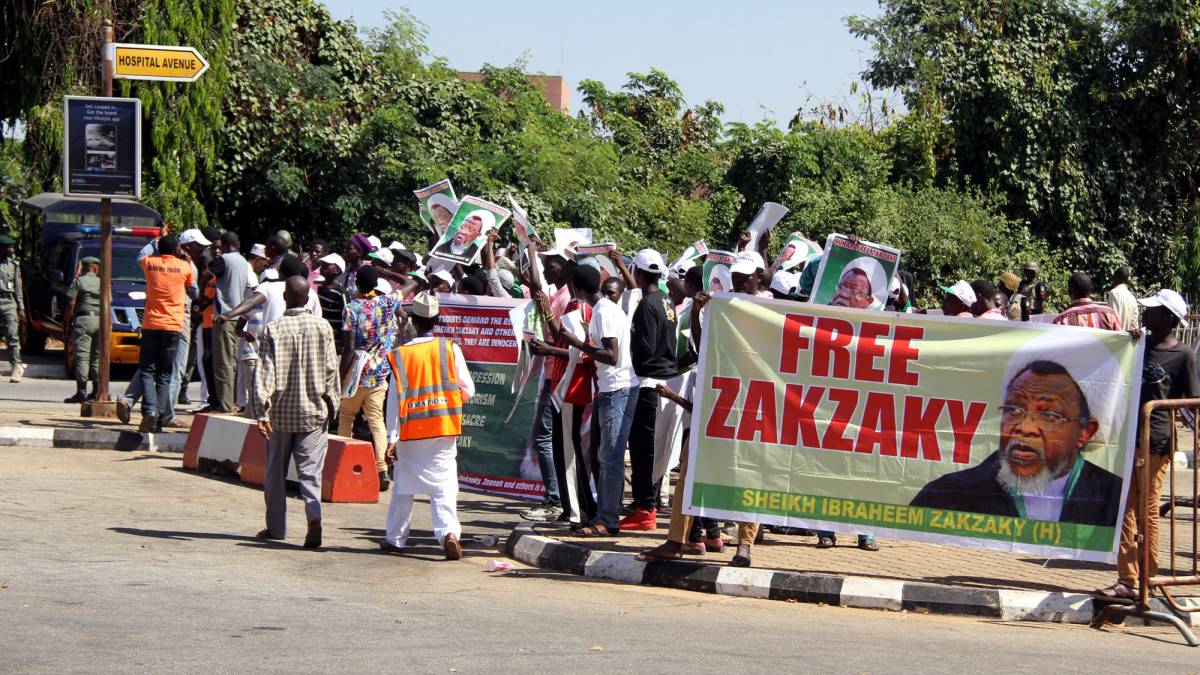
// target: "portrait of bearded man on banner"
[[1059, 402], [464, 244], [862, 284]]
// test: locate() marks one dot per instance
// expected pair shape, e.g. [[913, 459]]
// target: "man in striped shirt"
[[1084, 311]]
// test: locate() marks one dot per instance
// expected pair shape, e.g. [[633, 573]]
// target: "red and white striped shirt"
[[1090, 314]]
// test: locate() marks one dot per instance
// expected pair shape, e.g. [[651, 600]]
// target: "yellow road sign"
[[157, 62]]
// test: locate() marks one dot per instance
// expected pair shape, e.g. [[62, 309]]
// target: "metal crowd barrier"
[[1150, 582]]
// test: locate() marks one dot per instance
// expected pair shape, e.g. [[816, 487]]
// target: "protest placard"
[[854, 273], [716, 271], [436, 205], [494, 454], [467, 234], [690, 254], [918, 427], [795, 252], [527, 236], [602, 254], [768, 216], [567, 238]]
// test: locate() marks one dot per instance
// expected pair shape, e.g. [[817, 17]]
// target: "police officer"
[[83, 315], [12, 304]]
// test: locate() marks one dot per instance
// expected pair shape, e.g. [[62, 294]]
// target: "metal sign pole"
[[105, 235]]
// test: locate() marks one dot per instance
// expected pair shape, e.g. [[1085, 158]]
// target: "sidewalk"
[[902, 575]]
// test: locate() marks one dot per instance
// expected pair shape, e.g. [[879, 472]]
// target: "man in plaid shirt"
[[298, 387]]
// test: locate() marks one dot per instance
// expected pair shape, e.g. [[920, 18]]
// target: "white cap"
[[397, 246], [1171, 300], [425, 305], [383, 286], [506, 278], [375, 243], [193, 236], [786, 283], [748, 262], [258, 251], [384, 254], [440, 274], [270, 274], [564, 252], [1089, 362], [334, 259], [649, 260], [961, 290]]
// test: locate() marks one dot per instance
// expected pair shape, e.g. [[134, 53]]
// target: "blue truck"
[[69, 233]]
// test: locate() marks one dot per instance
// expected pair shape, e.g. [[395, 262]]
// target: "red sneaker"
[[640, 519]]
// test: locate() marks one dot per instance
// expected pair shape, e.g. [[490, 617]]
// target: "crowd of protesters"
[[313, 340]]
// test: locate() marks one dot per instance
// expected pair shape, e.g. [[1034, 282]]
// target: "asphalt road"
[[122, 562]]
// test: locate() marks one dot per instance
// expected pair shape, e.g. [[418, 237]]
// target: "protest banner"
[[854, 273], [768, 216], [795, 252], [494, 454], [602, 253], [527, 236], [467, 234], [688, 257], [567, 238], [716, 271], [1007, 436], [436, 205]]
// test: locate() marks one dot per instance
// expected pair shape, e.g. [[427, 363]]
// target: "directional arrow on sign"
[[157, 62]]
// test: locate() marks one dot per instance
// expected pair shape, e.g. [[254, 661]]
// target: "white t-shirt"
[[275, 305], [608, 321]]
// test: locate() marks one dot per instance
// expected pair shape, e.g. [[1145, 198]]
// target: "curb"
[[525, 546], [41, 437]]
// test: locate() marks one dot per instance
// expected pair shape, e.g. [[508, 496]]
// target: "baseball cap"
[[1010, 281], [444, 276], [748, 262], [786, 283], [405, 255], [375, 243], [90, 260], [397, 246], [334, 259], [564, 252], [961, 290], [1171, 300], [258, 251], [425, 304], [649, 260], [383, 254], [193, 236]]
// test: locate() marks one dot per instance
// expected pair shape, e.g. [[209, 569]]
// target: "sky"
[[760, 58]]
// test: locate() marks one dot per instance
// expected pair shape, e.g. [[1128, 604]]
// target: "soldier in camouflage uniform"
[[83, 314], [12, 304]]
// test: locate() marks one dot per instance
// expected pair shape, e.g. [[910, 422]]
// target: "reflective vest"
[[430, 401]]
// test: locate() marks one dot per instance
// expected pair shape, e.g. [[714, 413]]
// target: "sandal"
[[593, 531], [1117, 590], [657, 554], [826, 542]]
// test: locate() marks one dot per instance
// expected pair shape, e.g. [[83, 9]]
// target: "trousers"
[[308, 449], [156, 360], [224, 364], [543, 443], [371, 401], [1127, 553], [613, 411], [10, 322], [443, 506], [85, 346], [641, 448], [247, 372]]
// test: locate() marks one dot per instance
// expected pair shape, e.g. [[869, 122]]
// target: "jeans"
[[614, 411], [156, 361], [206, 362], [543, 443], [641, 448], [135, 389]]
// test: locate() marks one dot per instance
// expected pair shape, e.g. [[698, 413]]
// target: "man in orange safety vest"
[[430, 384]]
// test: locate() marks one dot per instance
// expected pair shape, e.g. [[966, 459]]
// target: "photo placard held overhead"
[[466, 235], [436, 205]]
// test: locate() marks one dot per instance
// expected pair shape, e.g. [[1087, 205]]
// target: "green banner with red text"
[[493, 455], [990, 434]]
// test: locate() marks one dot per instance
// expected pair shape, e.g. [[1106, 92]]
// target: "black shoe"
[[384, 482], [313, 538], [149, 424], [183, 398], [79, 397]]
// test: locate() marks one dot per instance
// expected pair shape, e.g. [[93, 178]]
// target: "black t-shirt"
[[1166, 374], [652, 349], [333, 301]]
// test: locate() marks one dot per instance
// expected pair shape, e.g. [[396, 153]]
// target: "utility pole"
[[106, 80]]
